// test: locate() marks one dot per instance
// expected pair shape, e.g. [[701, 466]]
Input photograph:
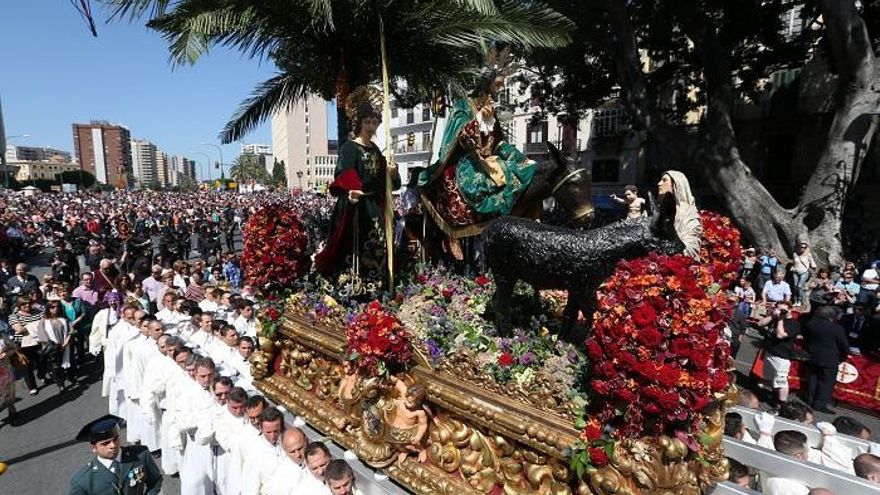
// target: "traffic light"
[[410, 140], [438, 103]]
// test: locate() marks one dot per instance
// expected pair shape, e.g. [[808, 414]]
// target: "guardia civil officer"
[[115, 470]]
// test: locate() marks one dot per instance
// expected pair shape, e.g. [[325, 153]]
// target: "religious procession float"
[[541, 359]]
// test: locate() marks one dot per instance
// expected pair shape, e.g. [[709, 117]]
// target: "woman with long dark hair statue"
[[357, 229]]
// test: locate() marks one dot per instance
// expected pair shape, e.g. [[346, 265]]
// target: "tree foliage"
[[82, 178], [247, 167], [330, 47], [666, 58], [279, 174]]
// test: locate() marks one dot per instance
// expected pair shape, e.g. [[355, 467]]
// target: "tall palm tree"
[[246, 167], [329, 47]]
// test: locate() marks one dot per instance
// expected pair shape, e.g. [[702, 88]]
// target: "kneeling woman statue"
[[357, 235], [675, 194]]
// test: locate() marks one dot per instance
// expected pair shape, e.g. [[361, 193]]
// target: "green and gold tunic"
[[490, 177]]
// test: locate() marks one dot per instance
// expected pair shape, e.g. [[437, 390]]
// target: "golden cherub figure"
[[407, 421]]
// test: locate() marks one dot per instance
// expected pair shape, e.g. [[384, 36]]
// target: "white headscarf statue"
[[687, 218]]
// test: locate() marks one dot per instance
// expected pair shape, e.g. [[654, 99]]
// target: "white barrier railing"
[[814, 436], [728, 488], [813, 475]]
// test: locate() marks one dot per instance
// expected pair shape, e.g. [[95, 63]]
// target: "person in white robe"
[[317, 460], [229, 431], [149, 351], [205, 334], [246, 323], [132, 375], [103, 321], [113, 384], [162, 369], [175, 405], [290, 470], [196, 465], [261, 457], [167, 314], [209, 303], [793, 443], [340, 479], [207, 434]]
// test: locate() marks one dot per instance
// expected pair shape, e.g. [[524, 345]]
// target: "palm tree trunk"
[[343, 125]]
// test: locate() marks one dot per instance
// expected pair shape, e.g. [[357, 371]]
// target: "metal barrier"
[[813, 475], [814, 436], [728, 488]]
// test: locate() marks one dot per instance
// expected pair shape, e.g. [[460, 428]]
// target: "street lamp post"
[[205, 176], [220, 151]]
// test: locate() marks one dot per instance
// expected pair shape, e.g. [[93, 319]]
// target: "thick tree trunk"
[[821, 206], [716, 154]]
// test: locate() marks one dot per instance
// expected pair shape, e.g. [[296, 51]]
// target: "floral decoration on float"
[[378, 343], [659, 368], [275, 248]]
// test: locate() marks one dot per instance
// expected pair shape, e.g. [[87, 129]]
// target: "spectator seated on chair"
[[796, 411], [739, 474], [850, 426], [867, 466], [793, 443]]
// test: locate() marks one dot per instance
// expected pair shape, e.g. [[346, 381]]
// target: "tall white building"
[[411, 137], [163, 174], [299, 136], [144, 163], [263, 153], [181, 170]]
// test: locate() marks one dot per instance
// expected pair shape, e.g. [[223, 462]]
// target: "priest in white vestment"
[[196, 466]]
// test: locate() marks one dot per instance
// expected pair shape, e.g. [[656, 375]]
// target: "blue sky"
[[54, 73]]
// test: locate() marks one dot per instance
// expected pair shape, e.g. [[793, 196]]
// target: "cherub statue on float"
[[407, 421]]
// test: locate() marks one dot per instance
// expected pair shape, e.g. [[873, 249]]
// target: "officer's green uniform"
[[136, 473]]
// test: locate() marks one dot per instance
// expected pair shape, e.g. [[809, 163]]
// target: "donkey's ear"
[[555, 153]]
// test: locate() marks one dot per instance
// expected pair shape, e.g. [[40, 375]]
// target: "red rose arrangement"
[[275, 247], [657, 349], [378, 341], [720, 249]]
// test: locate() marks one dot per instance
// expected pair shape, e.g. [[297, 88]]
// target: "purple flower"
[[434, 350], [527, 358]]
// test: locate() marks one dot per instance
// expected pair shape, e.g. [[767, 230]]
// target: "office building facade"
[[299, 135], [104, 150]]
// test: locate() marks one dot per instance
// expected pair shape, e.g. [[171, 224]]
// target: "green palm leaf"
[[326, 46], [274, 94]]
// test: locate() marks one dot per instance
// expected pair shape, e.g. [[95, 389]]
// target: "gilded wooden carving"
[[452, 431]]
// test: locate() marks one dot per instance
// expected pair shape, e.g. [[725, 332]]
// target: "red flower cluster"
[[657, 349], [721, 249], [275, 244], [377, 340], [506, 360]]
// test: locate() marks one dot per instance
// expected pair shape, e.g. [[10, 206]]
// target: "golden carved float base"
[[461, 438]]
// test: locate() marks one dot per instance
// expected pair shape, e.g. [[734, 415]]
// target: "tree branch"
[[633, 87], [849, 41]]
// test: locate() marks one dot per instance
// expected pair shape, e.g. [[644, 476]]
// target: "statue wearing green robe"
[[490, 172]]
